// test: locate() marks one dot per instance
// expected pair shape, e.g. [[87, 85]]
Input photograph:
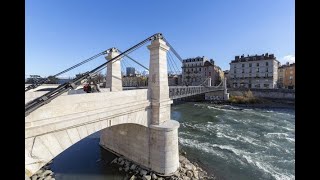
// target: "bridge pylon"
[[164, 151], [114, 78]]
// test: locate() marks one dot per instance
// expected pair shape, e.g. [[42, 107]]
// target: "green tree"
[[53, 80]]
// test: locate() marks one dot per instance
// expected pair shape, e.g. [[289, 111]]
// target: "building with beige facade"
[[196, 70], [257, 71], [286, 78]]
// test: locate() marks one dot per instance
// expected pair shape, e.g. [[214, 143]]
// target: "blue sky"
[[60, 33]]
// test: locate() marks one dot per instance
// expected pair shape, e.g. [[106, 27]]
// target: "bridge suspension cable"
[[172, 49], [134, 60], [174, 63], [39, 83], [46, 98]]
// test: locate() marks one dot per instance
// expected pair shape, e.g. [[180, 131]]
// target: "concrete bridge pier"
[[209, 82], [155, 146], [225, 92], [114, 79], [164, 151]]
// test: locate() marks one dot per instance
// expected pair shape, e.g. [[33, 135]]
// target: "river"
[[247, 144]]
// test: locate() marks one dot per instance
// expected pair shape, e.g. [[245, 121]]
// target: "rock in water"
[[48, 178], [181, 158], [154, 176], [39, 172], [47, 173], [133, 166], [189, 174], [121, 163], [186, 178], [114, 161], [146, 177], [188, 166], [143, 172]]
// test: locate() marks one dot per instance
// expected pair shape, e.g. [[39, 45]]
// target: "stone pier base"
[[226, 96], [154, 147]]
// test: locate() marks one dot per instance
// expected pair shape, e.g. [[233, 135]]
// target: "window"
[[257, 86], [205, 69], [257, 64], [291, 72], [199, 69], [266, 85], [234, 76], [192, 65], [242, 70], [267, 75], [235, 85], [267, 70], [250, 65], [290, 77], [234, 71], [205, 73], [267, 63], [257, 69], [250, 70], [242, 65]]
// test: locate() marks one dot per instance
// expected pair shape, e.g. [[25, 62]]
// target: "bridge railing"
[[176, 92]]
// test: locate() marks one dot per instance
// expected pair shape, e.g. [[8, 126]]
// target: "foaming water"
[[238, 144]]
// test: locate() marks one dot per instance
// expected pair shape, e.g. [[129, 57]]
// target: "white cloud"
[[289, 58]]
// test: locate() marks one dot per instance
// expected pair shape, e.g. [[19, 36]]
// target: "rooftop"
[[253, 58]]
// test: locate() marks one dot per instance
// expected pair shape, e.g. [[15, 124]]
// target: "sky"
[[60, 33]]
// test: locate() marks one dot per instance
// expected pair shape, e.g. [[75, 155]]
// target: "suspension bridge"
[[134, 123]]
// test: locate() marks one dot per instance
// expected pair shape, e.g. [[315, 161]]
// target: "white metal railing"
[[176, 92]]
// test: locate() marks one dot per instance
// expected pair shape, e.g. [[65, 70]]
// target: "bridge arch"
[[58, 125]]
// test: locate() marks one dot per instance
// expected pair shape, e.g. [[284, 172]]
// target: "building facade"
[[258, 71], [286, 78], [130, 71], [196, 70]]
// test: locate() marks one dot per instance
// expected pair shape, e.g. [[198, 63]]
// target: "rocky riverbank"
[[44, 173], [186, 171]]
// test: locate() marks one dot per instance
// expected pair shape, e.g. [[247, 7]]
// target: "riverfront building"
[[258, 71], [196, 70], [286, 78]]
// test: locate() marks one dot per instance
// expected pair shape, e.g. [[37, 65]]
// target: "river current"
[[233, 144], [240, 144]]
